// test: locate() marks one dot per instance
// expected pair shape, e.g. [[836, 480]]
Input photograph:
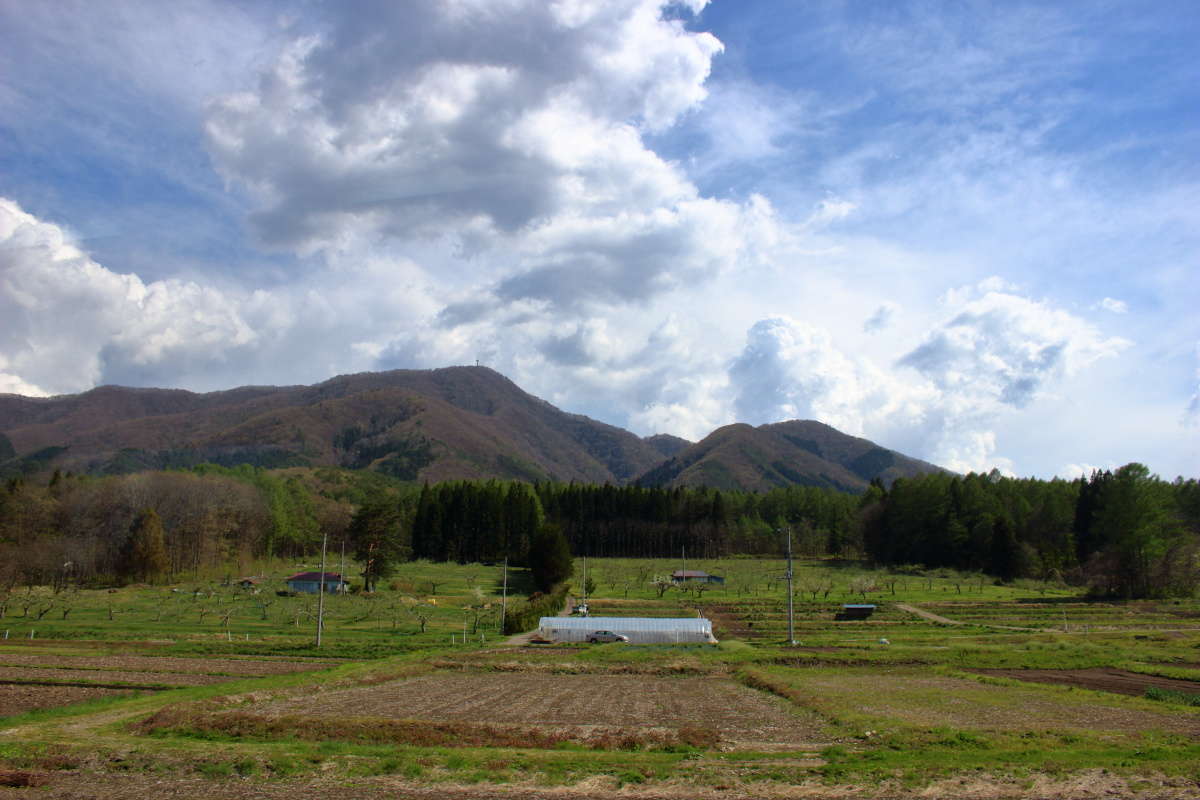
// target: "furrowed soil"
[[936, 700], [1099, 678], [104, 677], [744, 718], [1092, 785], [206, 666], [17, 698]]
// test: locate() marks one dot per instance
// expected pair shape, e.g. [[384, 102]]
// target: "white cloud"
[[1115, 306], [69, 321], [1073, 471], [466, 125], [1005, 348], [790, 369]]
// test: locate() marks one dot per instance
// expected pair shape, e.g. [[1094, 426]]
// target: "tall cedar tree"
[[549, 557], [146, 551], [377, 535]]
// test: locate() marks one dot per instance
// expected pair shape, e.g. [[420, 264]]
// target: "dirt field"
[[37, 680], [158, 664], [745, 718], [1100, 678], [76, 786], [106, 677], [934, 700], [17, 698]]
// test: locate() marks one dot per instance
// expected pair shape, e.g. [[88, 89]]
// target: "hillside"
[[458, 422], [429, 425], [801, 452]]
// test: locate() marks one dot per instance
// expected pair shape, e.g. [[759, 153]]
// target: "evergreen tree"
[[377, 533], [549, 557]]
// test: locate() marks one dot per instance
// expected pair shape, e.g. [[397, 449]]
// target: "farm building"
[[309, 582], [639, 630], [696, 576], [856, 611]]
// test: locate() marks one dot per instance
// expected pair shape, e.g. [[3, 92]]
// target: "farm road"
[[932, 617], [929, 615]]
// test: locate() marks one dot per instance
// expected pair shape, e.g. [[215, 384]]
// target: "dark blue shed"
[[310, 582]]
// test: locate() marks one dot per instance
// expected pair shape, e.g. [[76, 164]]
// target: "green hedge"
[[524, 616]]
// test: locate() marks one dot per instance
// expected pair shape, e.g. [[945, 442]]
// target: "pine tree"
[[549, 557]]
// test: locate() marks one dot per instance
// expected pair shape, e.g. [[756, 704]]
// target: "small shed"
[[310, 582], [640, 630], [695, 576], [856, 611]]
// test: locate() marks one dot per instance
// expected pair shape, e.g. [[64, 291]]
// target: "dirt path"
[[929, 615], [522, 639], [932, 617]]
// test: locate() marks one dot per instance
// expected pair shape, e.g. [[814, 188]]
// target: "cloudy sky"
[[966, 230]]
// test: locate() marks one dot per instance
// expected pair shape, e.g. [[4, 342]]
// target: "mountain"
[[458, 422], [667, 445], [443, 424], [801, 452]]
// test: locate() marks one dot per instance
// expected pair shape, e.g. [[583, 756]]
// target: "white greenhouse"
[[638, 630]]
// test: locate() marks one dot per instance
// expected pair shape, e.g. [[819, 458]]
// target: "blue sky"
[[965, 230]]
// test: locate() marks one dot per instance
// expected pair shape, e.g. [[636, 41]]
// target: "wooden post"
[[321, 591]]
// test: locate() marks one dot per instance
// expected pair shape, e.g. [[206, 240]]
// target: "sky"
[[968, 231]]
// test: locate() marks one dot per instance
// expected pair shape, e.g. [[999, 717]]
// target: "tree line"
[[1122, 532]]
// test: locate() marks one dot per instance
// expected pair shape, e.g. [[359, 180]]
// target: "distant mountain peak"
[[436, 424]]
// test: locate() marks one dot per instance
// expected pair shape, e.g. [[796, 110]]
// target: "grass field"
[[953, 687]]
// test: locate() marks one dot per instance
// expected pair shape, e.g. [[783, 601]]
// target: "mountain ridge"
[[431, 425]]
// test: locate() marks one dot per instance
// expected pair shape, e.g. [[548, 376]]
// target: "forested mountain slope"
[[458, 422], [798, 452], [417, 425]]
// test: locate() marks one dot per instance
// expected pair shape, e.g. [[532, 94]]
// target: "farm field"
[[952, 688]]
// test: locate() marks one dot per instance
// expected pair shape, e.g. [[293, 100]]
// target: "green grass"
[[908, 711]]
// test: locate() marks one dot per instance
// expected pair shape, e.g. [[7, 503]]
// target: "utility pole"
[[791, 609], [321, 591], [342, 564], [504, 597]]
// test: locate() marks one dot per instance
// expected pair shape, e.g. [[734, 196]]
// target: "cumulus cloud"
[[791, 369], [69, 322], [1003, 347], [516, 124], [996, 352], [1115, 306]]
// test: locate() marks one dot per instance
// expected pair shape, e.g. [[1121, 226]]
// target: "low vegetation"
[[896, 704]]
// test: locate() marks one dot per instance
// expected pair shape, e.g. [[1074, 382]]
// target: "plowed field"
[[17, 699], [744, 717], [206, 666], [1100, 678]]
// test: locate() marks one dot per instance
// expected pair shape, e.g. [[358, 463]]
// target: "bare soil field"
[[88, 786], [936, 700], [18, 698], [1102, 679], [744, 717], [163, 664], [106, 677]]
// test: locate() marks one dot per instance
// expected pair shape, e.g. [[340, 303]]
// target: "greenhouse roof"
[[698, 624]]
